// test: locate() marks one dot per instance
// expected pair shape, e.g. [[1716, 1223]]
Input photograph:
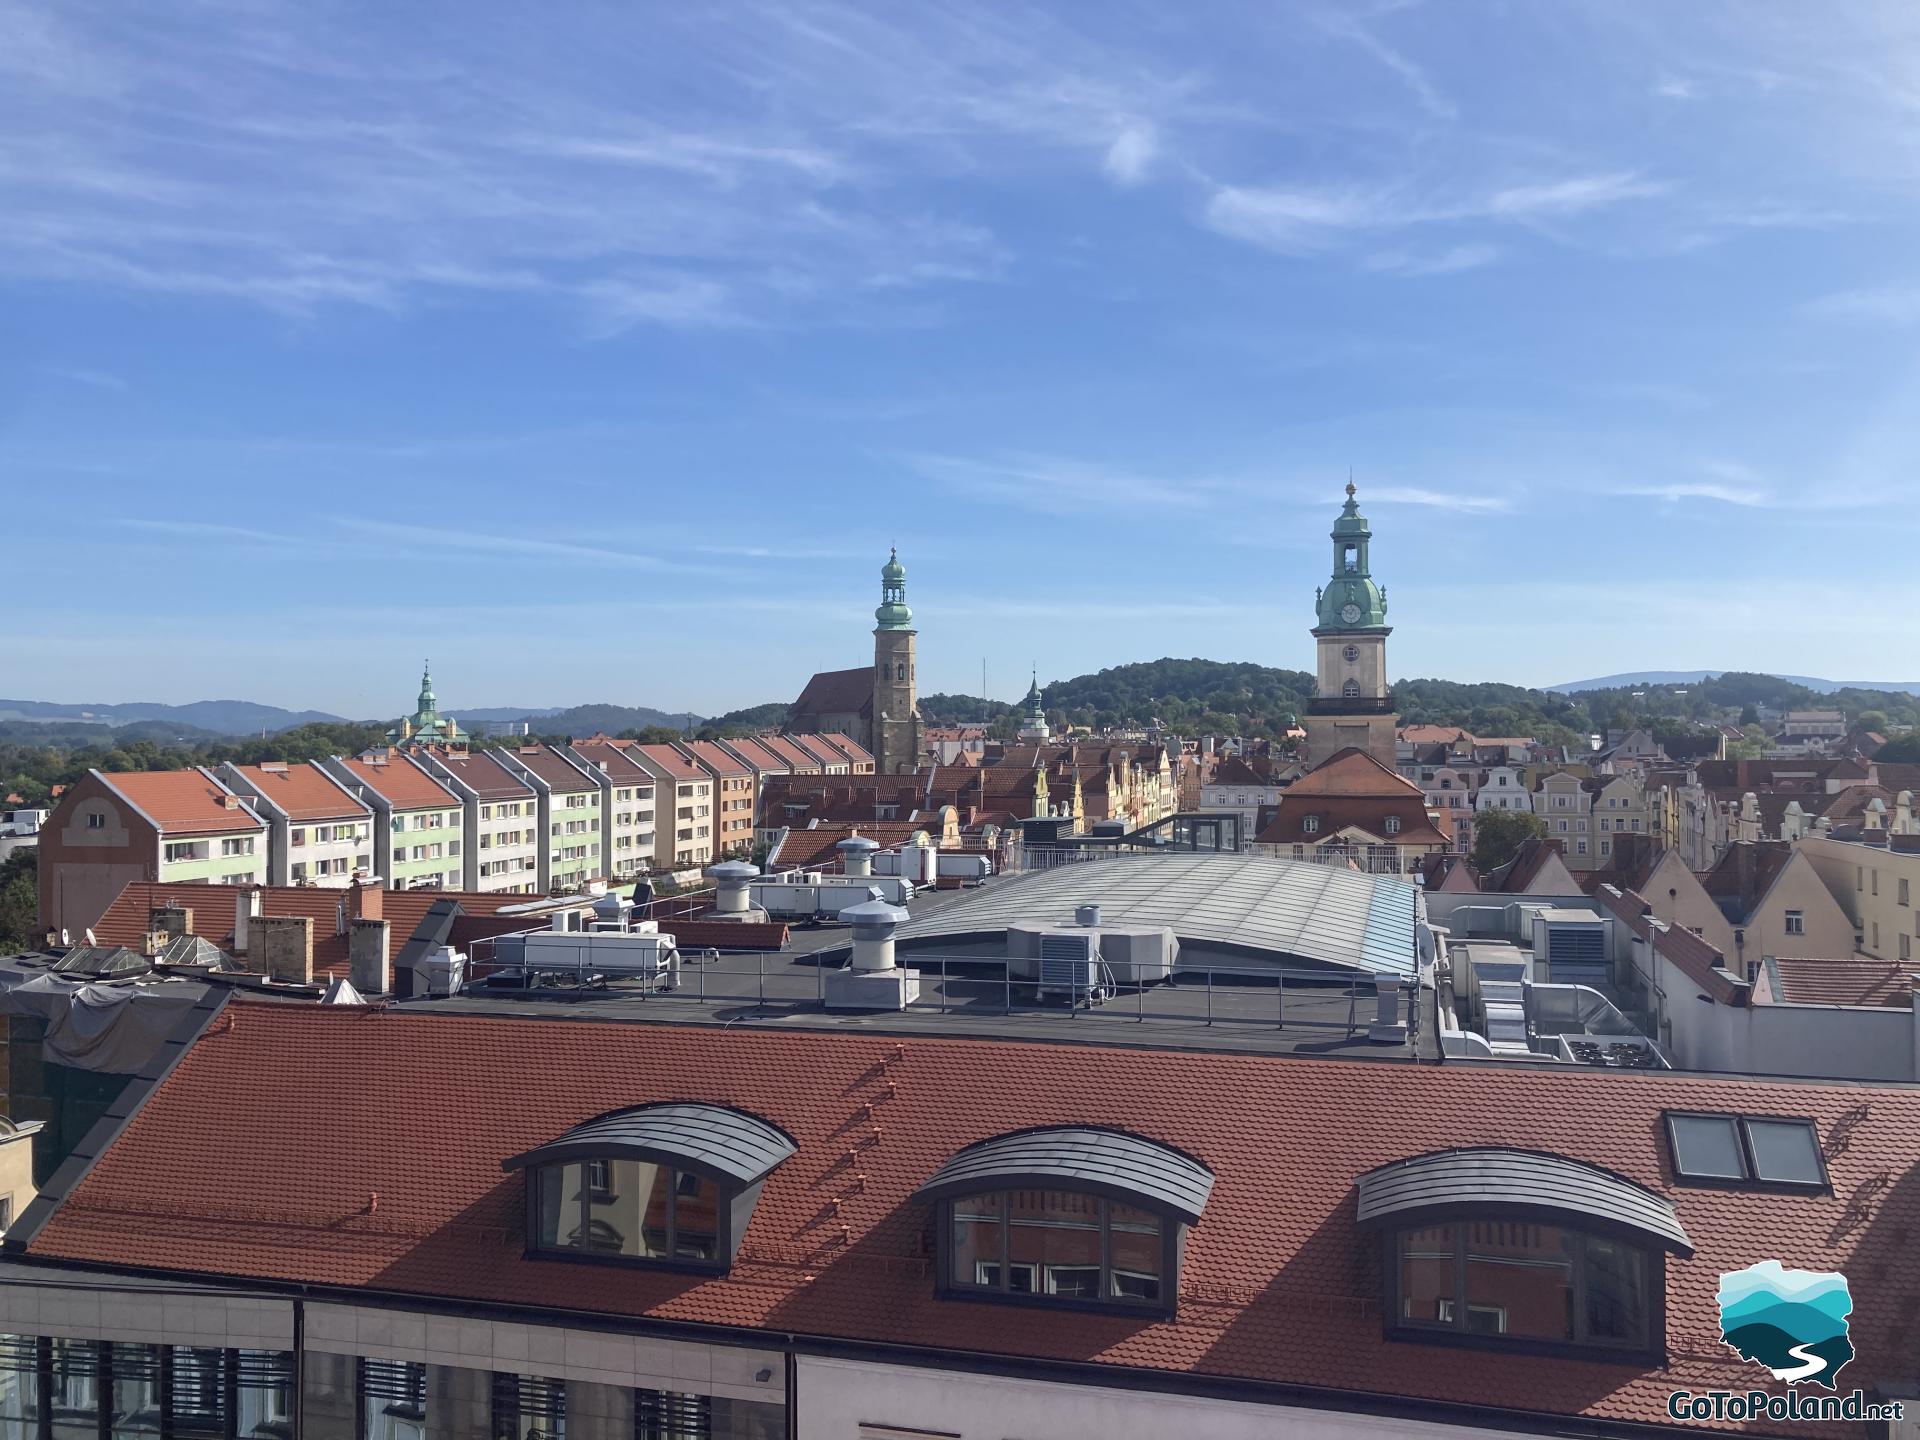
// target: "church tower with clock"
[[1351, 705]]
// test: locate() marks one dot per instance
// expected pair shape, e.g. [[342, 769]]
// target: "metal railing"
[[1206, 997]]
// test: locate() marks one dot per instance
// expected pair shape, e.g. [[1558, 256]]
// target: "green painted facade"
[[449, 836], [217, 865]]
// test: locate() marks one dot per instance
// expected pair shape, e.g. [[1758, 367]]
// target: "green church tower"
[[1352, 706]]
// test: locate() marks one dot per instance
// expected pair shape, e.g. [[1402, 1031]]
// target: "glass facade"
[[58, 1389], [1515, 1280], [1060, 1243]]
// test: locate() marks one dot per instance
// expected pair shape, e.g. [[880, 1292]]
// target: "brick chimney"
[[283, 947], [366, 899], [368, 965], [173, 921]]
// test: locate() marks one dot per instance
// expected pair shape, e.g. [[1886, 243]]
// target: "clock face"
[[1350, 613]]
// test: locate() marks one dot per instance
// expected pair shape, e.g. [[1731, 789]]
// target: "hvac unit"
[[1070, 967]]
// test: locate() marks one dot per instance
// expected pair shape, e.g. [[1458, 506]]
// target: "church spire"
[[893, 613]]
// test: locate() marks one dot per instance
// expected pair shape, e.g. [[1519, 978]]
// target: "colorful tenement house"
[[878, 708], [1352, 707], [426, 726]]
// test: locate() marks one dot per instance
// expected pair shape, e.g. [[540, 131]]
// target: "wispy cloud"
[[1893, 306], [1052, 484], [209, 530], [1449, 261], [1301, 221], [1429, 96], [79, 375], [1131, 154], [429, 539], [1436, 499]]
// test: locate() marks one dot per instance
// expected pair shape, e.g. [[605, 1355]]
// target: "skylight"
[[1746, 1151]]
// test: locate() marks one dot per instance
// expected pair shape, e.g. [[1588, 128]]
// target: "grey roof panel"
[[714, 1140], [1080, 1157], [1451, 1184], [1317, 913]]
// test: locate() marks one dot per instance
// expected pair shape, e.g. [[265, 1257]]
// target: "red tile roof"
[[305, 792], [836, 692], [1853, 980], [857, 753], [618, 759], [256, 1155], [1352, 772], [405, 785], [716, 758], [760, 755], [802, 762], [482, 772], [562, 774], [182, 802], [815, 746], [675, 765]]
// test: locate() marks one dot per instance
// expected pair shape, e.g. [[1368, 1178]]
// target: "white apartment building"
[[569, 816], [502, 820], [318, 833], [627, 802]]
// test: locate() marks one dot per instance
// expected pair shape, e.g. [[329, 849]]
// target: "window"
[[1351, 690], [1515, 1280], [1309, 824], [1746, 1151], [1796, 922], [1058, 1243], [1351, 653], [1393, 825], [96, 820], [1902, 895]]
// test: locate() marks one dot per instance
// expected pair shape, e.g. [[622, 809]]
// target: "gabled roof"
[[182, 802], [837, 692], [1533, 856], [760, 755], [615, 761], [563, 775], [1235, 771], [481, 772], [1331, 814], [1852, 980], [716, 759], [858, 754], [1352, 772], [304, 792], [797, 759], [404, 784], [820, 750], [1743, 875], [1279, 1283], [667, 761]]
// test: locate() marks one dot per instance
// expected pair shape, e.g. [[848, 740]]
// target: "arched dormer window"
[[1513, 1248], [1066, 1215], [1351, 690], [672, 1185], [1309, 824], [1393, 824]]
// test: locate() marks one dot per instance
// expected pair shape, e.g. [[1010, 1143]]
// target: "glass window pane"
[[626, 1208], [1053, 1243], [1519, 1280], [199, 1399], [557, 1193], [74, 1399], [264, 1395], [1426, 1276], [393, 1398], [1706, 1147], [696, 1217], [1616, 1292], [529, 1407], [1785, 1151], [976, 1241], [1133, 1252], [136, 1392], [19, 1387]]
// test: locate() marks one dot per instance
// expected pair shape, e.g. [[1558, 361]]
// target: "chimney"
[[285, 948], [368, 966], [173, 921], [366, 900], [873, 925], [246, 908]]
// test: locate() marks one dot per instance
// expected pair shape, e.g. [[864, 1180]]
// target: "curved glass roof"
[[714, 1140], [1114, 1163], [1322, 914], [1481, 1183]]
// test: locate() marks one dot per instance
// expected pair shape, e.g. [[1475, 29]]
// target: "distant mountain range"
[[1694, 677], [245, 717]]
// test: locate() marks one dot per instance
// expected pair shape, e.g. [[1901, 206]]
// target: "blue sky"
[[601, 351]]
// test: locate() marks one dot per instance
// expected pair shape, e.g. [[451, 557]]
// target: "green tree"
[[1498, 833], [19, 899], [1871, 720], [1903, 751]]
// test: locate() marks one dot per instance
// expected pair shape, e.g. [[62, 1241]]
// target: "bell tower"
[[1351, 704], [895, 736]]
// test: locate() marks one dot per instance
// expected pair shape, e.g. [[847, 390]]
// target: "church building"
[[1351, 708], [426, 726], [874, 705]]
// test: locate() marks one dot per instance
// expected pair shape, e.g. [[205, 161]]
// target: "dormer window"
[[1309, 824], [1076, 1216], [1512, 1248], [671, 1185]]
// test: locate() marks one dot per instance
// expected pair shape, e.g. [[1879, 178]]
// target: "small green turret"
[[1351, 600], [893, 613]]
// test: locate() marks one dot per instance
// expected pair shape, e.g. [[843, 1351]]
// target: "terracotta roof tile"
[[1853, 980], [837, 692], [671, 762], [1352, 772], [255, 1157], [801, 762], [182, 802], [567, 777], [718, 760], [405, 785], [305, 792], [482, 772]]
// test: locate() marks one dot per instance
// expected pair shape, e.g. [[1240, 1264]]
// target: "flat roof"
[[1290, 910]]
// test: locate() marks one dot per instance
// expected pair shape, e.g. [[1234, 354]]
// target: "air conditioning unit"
[[1070, 967]]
